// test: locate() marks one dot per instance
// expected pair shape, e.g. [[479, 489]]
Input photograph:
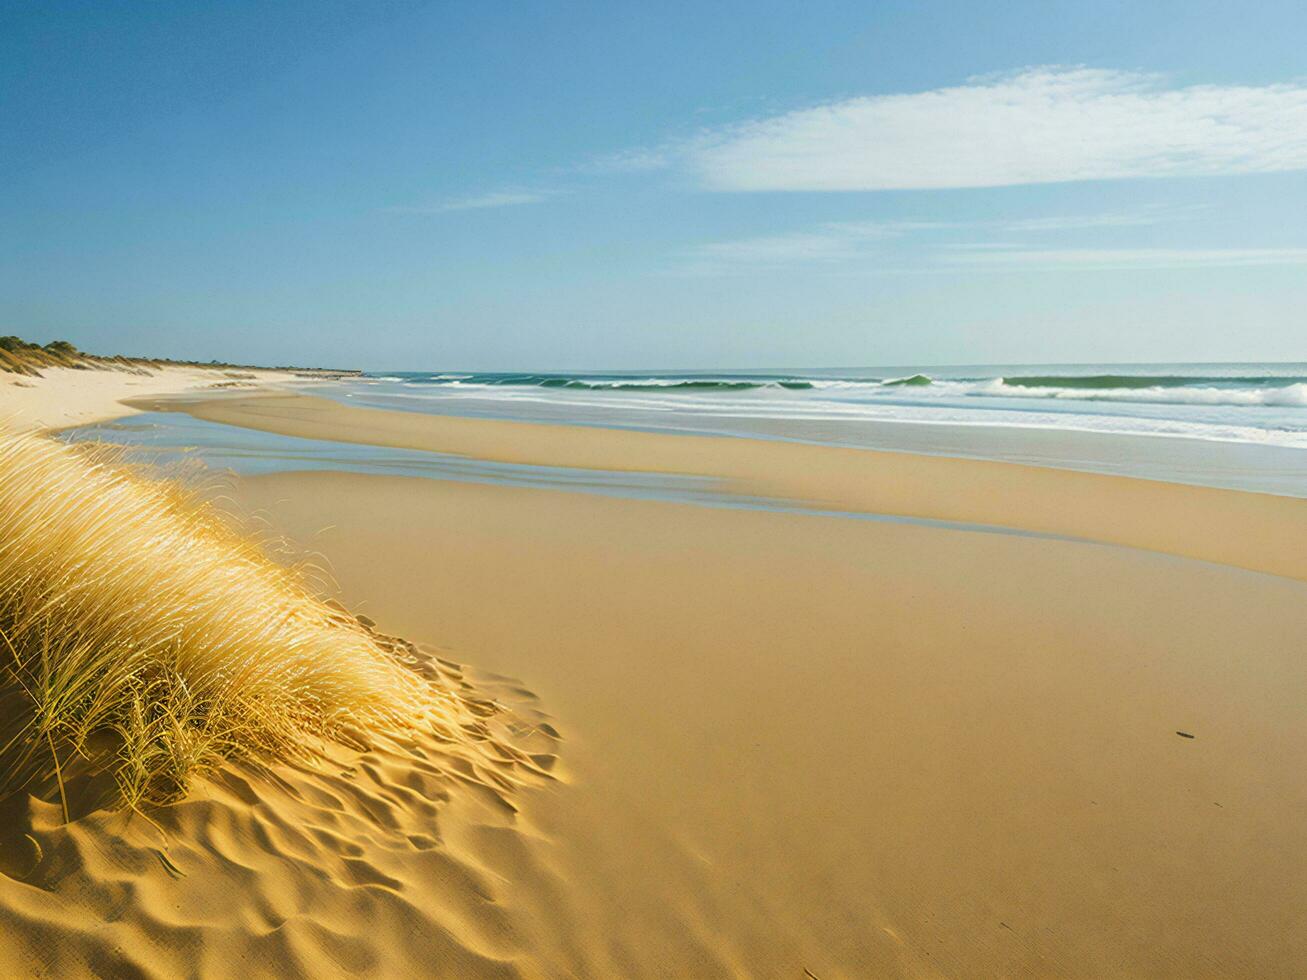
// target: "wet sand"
[[855, 748], [1249, 530]]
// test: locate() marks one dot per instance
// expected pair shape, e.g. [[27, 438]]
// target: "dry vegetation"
[[18, 356], [142, 636]]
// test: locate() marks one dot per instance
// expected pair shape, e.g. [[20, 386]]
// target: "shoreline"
[[63, 397], [1255, 459], [1247, 530]]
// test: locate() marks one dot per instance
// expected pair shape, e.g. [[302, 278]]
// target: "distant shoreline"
[[1243, 529], [61, 397], [19, 356]]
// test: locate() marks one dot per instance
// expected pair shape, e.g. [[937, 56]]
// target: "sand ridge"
[[367, 862]]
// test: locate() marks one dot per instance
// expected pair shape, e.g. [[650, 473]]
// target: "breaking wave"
[[1181, 389]]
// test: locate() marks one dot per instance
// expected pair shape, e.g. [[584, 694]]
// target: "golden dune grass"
[[142, 635]]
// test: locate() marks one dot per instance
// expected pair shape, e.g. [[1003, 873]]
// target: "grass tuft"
[[142, 635]]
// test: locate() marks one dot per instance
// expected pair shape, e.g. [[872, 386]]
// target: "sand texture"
[[743, 742], [386, 863], [857, 748], [63, 397]]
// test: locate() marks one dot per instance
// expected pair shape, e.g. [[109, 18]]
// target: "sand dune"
[[63, 397], [147, 643], [364, 863]]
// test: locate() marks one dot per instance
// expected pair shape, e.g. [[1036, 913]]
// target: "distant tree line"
[[19, 356]]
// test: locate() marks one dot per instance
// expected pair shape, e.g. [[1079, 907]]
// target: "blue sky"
[[532, 185]]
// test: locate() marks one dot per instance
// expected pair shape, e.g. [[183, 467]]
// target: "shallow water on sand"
[[1237, 426], [172, 439]]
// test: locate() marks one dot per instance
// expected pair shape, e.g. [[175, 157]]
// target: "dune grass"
[[142, 635]]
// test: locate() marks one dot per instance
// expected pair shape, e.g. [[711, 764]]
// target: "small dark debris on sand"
[[1184, 735]]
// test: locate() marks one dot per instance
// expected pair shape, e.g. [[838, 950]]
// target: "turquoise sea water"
[[1262, 403], [1241, 426]]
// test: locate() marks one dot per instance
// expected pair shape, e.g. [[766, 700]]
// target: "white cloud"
[[1108, 219], [869, 245], [819, 246], [1038, 126], [1129, 258], [835, 241], [968, 246], [629, 161], [507, 197], [843, 241]]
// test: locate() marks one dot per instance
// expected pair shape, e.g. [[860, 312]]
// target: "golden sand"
[[744, 742], [63, 397], [857, 748]]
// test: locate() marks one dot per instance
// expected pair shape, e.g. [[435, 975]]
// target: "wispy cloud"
[[814, 246], [827, 242], [1107, 219], [835, 242], [503, 198], [631, 161], [940, 246], [1037, 126], [1128, 258]]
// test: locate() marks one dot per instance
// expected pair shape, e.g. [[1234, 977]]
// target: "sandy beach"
[[653, 491], [733, 742], [61, 397], [859, 749]]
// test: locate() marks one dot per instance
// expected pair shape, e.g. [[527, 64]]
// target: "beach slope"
[[1057, 734], [852, 747]]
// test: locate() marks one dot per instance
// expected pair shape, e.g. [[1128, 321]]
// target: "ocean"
[[1237, 426], [1234, 425]]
